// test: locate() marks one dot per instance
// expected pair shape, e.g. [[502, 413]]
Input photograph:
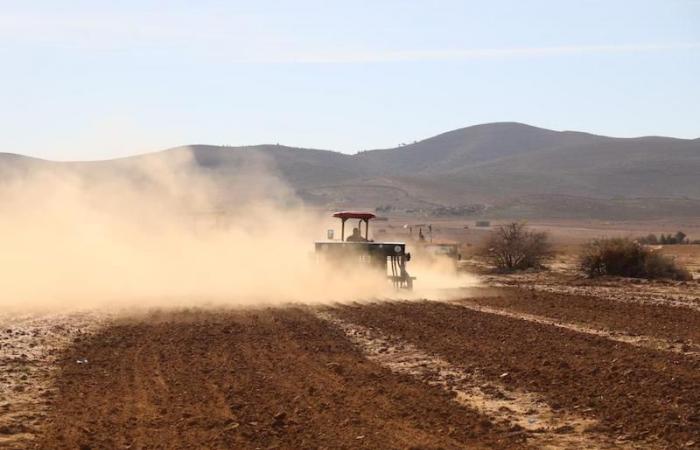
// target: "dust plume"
[[158, 231]]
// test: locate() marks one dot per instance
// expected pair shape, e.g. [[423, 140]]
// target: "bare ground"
[[626, 290], [672, 328], [635, 394], [544, 364], [30, 345], [253, 379]]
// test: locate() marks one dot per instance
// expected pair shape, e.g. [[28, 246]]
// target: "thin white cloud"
[[248, 39], [484, 53]]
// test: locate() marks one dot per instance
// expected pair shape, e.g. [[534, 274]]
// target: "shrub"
[[627, 258], [649, 239], [669, 239], [680, 238], [515, 247]]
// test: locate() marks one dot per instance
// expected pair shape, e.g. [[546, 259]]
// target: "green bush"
[[627, 258]]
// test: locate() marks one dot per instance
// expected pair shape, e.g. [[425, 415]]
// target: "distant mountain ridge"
[[499, 165]]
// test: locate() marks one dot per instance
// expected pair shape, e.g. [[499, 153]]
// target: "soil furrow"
[[249, 379], [689, 350], [635, 394], [547, 428], [631, 291], [675, 324]]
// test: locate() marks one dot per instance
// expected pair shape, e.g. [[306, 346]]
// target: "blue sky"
[[94, 80]]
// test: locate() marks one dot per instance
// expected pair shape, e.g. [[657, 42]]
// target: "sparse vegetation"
[[459, 211], [628, 258], [649, 239], [515, 247], [665, 239]]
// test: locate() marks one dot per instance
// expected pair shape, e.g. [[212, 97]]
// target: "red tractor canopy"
[[362, 216], [354, 215]]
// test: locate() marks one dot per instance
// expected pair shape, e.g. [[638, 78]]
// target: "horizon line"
[[398, 146]]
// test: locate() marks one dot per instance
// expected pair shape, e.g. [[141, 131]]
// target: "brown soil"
[[29, 347], [274, 378], [524, 410], [626, 290], [635, 394], [672, 323]]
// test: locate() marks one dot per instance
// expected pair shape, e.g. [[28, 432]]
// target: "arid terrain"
[[536, 360], [489, 171], [383, 225]]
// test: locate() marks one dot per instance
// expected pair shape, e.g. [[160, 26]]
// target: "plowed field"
[[518, 369]]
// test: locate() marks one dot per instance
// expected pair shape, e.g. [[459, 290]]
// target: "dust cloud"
[[158, 231]]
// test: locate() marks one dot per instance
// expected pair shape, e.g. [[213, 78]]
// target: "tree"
[[515, 247], [680, 237]]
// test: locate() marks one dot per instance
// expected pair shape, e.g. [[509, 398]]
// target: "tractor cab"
[[357, 248], [362, 217]]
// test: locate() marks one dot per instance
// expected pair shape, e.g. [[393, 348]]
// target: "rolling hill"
[[497, 169]]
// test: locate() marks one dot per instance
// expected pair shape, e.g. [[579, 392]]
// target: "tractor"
[[426, 249], [443, 250], [389, 258]]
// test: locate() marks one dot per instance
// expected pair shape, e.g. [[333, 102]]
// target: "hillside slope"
[[506, 159], [507, 168]]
